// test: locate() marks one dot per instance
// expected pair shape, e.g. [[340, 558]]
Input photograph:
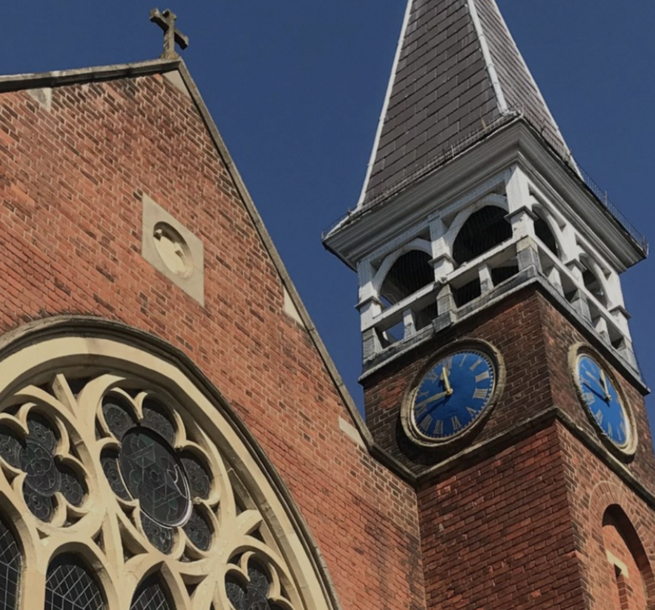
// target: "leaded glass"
[[252, 595], [41, 432], [117, 416], [151, 595], [155, 418], [10, 569], [10, 447], [71, 487], [160, 536], [154, 475], [199, 481], [109, 460], [70, 586], [198, 530]]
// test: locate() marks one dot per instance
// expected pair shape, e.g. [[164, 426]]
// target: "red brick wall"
[[71, 180], [500, 536], [607, 515]]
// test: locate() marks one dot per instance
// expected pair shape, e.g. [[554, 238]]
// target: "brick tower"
[[498, 368]]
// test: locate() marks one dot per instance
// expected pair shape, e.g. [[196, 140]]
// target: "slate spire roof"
[[457, 73]]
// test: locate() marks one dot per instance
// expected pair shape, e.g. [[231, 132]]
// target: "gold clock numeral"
[[463, 360], [476, 364], [448, 362], [482, 377], [472, 412], [455, 423], [590, 398], [599, 417], [438, 427], [622, 427], [480, 393], [609, 429], [426, 421], [432, 375]]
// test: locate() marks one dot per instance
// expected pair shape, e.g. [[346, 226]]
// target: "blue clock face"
[[453, 395], [601, 398]]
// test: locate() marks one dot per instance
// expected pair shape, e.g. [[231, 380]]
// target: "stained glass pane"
[[10, 569], [70, 586], [253, 594], [73, 490], [118, 416], [156, 418], [151, 595], [10, 447], [41, 431], [199, 481], [109, 460], [160, 536], [198, 530], [154, 475]]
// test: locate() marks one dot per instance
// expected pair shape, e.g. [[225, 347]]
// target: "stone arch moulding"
[[62, 373]]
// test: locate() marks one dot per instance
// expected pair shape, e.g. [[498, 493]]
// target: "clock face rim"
[[578, 351], [484, 348]]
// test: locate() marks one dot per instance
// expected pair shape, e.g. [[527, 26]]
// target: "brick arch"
[[610, 506]]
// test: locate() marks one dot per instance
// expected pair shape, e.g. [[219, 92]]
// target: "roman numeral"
[[590, 398], [448, 362], [609, 430], [425, 422], [622, 426], [438, 427], [599, 417], [476, 364], [463, 360], [482, 377], [472, 412], [480, 393], [432, 375], [454, 422]]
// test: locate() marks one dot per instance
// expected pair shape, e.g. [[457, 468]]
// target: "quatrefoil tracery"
[[149, 463], [166, 490]]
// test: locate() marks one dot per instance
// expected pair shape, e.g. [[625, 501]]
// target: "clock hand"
[[603, 380], [446, 381], [427, 401]]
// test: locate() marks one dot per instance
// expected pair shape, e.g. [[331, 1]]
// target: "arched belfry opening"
[[545, 234], [409, 273], [482, 231]]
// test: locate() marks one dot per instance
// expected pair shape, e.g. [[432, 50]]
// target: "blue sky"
[[296, 90]]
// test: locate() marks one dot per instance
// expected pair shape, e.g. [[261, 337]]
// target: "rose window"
[[121, 493], [170, 483]]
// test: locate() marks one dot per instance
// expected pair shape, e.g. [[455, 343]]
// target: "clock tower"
[[498, 367]]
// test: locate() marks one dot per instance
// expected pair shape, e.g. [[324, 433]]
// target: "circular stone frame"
[[463, 437], [584, 349]]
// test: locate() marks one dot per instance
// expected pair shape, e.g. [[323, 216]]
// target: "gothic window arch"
[[71, 585], [133, 479], [11, 563]]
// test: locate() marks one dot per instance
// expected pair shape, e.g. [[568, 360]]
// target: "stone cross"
[[166, 21]]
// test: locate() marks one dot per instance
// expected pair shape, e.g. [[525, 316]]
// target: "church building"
[[173, 432]]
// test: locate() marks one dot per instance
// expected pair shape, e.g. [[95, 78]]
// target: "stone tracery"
[[128, 473]]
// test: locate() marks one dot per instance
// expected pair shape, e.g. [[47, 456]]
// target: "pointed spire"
[[457, 73]]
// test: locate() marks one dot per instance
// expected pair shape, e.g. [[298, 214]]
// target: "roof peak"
[[457, 70], [56, 78]]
